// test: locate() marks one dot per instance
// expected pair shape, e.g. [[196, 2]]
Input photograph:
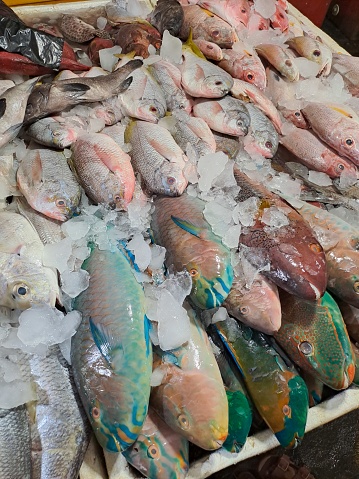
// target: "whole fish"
[[314, 154], [137, 37], [167, 15], [351, 318], [314, 336], [12, 110], [55, 97], [233, 12], [159, 452], [178, 224], [244, 64], [191, 397], [340, 242], [54, 133], [225, 115], [313, 50], [277, 391], [280, 19], [244, 90], [48, 184], [257, 305], [111, 353], [157, 157], [206, 25], [76, 30], [262, 137], [104, 170], [279, 57], [143, 99], [15, 448], [335, 129], [194, 131], [209, 49], [169, 78], [297, 261], [61, 426], [201, 78]]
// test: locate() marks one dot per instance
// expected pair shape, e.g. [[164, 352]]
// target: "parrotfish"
[[278, 392], [297, 261], [178, 224], [111, 352], [159, 452], [191, 397], [314, 336]]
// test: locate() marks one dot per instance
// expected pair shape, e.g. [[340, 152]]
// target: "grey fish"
[[55, 97], [167, 15], [12, 110], [15, 445], [76, 30]]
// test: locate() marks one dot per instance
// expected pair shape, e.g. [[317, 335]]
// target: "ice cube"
[[274, 217], [74, 282], [210, 167], [265, 8], [245, 211], [173, 322], [107, 57], [75, 228], [307, 68], [220, 315], [15, 393], [319, 178], [179, 285], [157, 376], [56, 255], [141, 250], [231, 237], [171, 48]]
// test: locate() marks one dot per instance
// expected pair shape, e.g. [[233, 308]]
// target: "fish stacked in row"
[[199, 136]]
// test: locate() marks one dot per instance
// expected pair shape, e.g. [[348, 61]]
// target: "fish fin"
[[36, 170], [189, 227], [192, 46], [105, 343], [2, 107], [75, 88]]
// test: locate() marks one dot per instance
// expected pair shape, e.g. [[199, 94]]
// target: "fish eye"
[[269, 145], [61, 202], [349, 142], [215, 33], [20, 290], [306, 348], [287, 411], [153, 451], [297, 113], [95, 412], [250, 76], [315, 247], [244, 309], [316, 53], [153, 109], [183, 421], [356, 287], [288, 63], [170, 180], [193, 272]]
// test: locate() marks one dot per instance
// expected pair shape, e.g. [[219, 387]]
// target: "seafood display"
[[179, 250]]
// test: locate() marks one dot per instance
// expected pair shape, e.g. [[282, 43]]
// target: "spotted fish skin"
[[111, 354], [200, 252], [314, 336], [277, 391]]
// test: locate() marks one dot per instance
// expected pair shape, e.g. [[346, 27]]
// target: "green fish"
[[178, 224], [277, 391], [314, 336], [111, 352]]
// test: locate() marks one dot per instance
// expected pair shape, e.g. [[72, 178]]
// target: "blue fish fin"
[[108, 347], [189, 227]]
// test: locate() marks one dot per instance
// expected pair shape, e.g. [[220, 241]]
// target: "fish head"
[[343, 275], [170, 180]]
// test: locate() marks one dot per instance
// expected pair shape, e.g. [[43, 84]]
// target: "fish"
[[257, 305], [157, 157], [204, 24], [336, 129], [192, 131], [15, 448], [262, 137], [104, 170], [314, 336], [111, 353], [167, 15], [48, 184], [280, 59], [12, 110], [191, 397], [277, 391], [314, 51], [55, 97], [137, 37], [234, 12], [178, 225], [61, 426], [339, 241], [201, 78], [225, 115], [168, 77], [246, 91], [159, 452], [54, 133], [143, 99], [209, 49], [280, 19], [296, 259], [76, 30], [244, 64], [313, 153]]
